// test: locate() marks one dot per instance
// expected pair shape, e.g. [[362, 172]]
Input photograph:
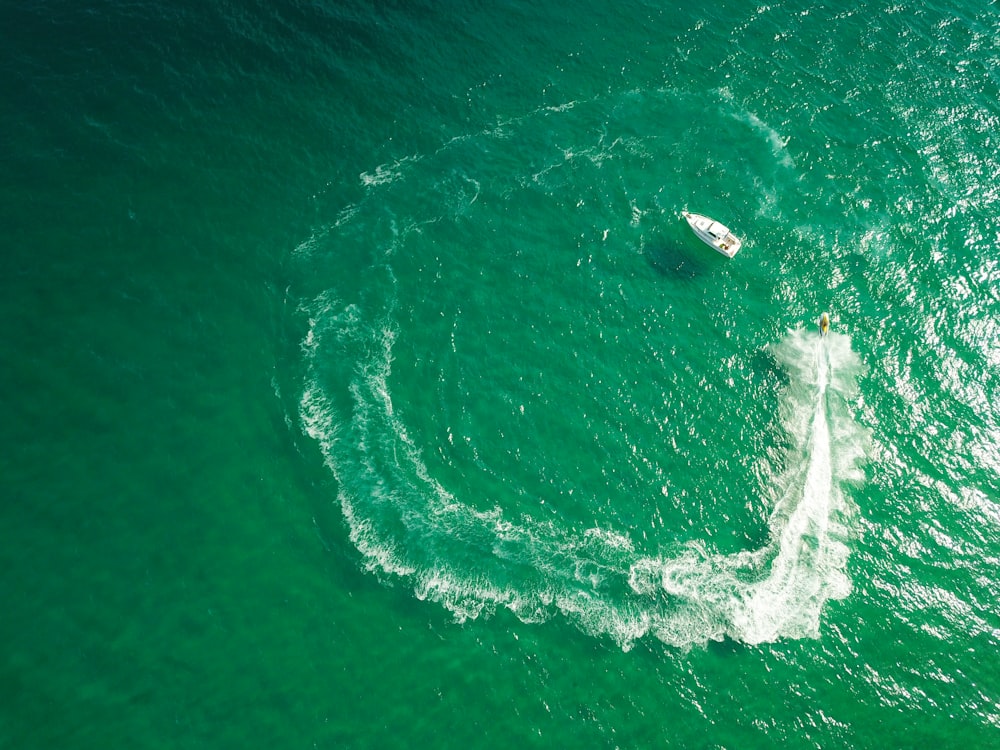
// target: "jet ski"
[[824, 324]]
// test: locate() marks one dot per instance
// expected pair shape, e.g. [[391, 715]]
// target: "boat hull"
[[712, 233]]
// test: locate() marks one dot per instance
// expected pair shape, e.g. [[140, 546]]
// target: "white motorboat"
[[715, 234]]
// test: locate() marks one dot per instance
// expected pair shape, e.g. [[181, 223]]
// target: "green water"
[[364, 387]]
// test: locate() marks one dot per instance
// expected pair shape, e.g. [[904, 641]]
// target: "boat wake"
[[464, 495], [779, 590], [407, 525]]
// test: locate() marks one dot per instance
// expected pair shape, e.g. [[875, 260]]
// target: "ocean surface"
[[363, 386]]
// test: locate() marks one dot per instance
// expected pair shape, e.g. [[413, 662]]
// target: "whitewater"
[[407, 525]]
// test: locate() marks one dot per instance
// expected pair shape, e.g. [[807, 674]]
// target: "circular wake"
[[477, 487], [779, 590], [405, 523]]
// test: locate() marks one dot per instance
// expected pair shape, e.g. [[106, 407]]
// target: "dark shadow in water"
[[728, 647], [679, 261]]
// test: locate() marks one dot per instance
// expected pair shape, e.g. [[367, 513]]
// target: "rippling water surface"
[[365, 387]]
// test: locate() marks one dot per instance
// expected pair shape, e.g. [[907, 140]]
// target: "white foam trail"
[[807, 569], [407, 525], [474, 555], [779, 590]]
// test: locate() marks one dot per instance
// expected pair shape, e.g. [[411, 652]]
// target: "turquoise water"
[[364, 387]]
